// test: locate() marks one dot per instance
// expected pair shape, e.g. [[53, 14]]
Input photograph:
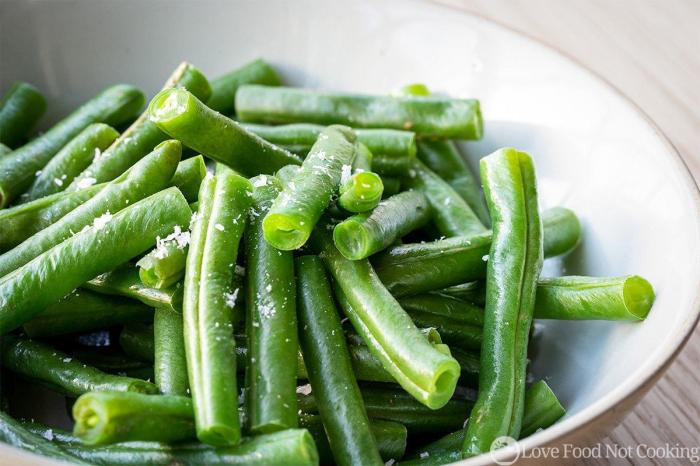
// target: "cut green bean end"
[[444, 384], [362, 192], [169, 104], [219, 435], [639, 296], [285, 232], [90, 419], [351, 238]]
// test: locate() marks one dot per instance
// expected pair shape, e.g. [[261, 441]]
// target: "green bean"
[[20, 109], [362, 235], [169, 351], [224, 200], [330, 372], [515, 262], [459, 323], [142, 136], [396, 405], [361, 192], [451, 214], [594, 298], [40, 362], [138, 341], [299, 206], [287, 173], [113, 361], [145, 178], [392, 166], [426, 116], [421, 369], [113, 106], [124, 281], [183, 116], [111, 417], [271, 325], [472, 292], [542, 409], [299, 137], [4, 150], [416, 268], [164, 266], [188, 177], [49, 277], [443, 158], [85, 311], [223, 88], [292, 447], [390, 438], [71, 160], [17, 435], [392, 186]]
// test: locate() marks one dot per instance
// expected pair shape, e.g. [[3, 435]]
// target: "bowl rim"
[[630, 388], [642, 382]]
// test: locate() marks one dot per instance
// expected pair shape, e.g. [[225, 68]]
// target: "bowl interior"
[[594, 152]]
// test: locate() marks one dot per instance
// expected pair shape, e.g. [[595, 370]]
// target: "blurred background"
[[649, 51]]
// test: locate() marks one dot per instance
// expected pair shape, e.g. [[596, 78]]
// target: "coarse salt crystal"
[[86, 182], [261, 181], [345, 174], [304, 389], [58, 181], [219, 226], [101, 221], [230, 298]]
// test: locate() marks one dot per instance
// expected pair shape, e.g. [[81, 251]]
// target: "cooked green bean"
[[389, 436], [451, 214], [138, 341], [110, 417], [426, 116], [422, 370], [145, 178], [20, 109], [224, 200], [110, 241], [42, 363], [594, 298], [392, 404], [71, 160], [416, 268], [223, 88], [183, 116], [364, 234], [169, 351], [287, 173], [542, 409], [459, 323], [113, 361], [362, 190], [124, 281], [299, 206], [330, 372], [471, 292], [299, 137], [85, 311], [292, 447], [271, 325], [142, 136], [4, 150], [113, 106], [17, 435], [188, 177], [515, 262], [392, 186], [387, 165], [443, 158]]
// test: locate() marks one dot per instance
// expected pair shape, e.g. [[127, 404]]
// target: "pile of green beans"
[[336, 289]]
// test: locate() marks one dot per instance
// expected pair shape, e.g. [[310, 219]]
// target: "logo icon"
[[505, 450]]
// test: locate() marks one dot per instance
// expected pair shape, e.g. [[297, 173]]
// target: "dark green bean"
[[113, 361], [330, 371], [42, 363], [85, 311], [271, 371], [150, 175], [426, 116], [424, 371], [20, 109], [113, 106], [15, 434], [142, 136], [109, 242], [299, 206], [389, 436], [169, 350], [110, 417], [188, 177], [137, 341], [362, 235], [416, 268], [208, 303], [223, 88], [392, 186], [183, 116], [443, 158], [4, 150], [515, 262], [71, 160], [387, 165]]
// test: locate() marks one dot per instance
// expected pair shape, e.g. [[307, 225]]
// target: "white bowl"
[[595, 151]]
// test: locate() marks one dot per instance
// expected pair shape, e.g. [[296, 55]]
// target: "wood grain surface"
[[650, 51]]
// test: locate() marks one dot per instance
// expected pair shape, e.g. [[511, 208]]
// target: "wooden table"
[[649, 50]]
